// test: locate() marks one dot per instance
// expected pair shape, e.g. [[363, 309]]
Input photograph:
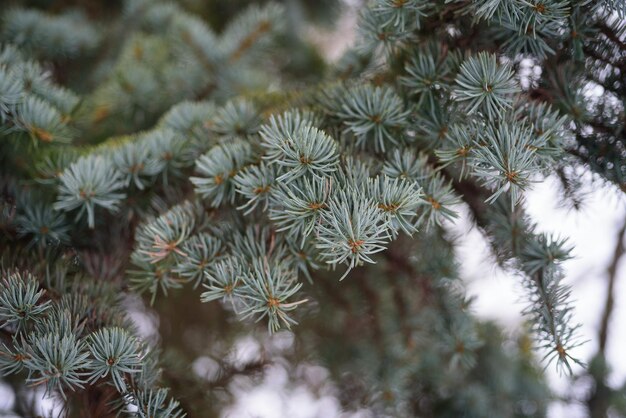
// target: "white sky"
[[593, 233]]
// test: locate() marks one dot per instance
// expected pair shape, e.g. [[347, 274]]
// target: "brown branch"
[[247, 42], [599, 399], [612, 276]]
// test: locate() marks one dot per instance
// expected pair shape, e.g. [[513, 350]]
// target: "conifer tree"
[[200, 163]]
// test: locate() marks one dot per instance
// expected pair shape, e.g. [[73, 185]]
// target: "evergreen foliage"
[[165, 151]]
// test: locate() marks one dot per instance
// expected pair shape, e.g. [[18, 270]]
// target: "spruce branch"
[[506, 160], [90, 182], [550, 312], [58, 361], [406, 164], [487, 9], [46, 227], [197, 254], [279, 128], [433, 123], [162, 237], [134, 162], [485, 85], [255, 183], [20, 301], [11, 93], [399, 200], [268, 292], [351, 230], [237, 119], [190, 118], [194, 34], [373, 114], [377, 34], [440, 199], [115, 353], [50, 168], [425, 78], [308, 151], [460, 140], [544, 252], [152, 403], [247, 36], [297, 206], [437, 104], [217, 168], [42, 121], [612, 5], [405, 15], [223, 280], [541, 13], [167, 153], [12, 358], [50, 36], [151, 278]]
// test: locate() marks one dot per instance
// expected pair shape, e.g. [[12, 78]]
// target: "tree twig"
[[612, 277]]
